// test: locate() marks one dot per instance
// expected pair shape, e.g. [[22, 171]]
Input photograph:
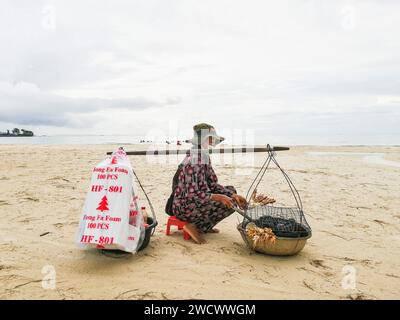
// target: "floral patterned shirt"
[[196, 183]]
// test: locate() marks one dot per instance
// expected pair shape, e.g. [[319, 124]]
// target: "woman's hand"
[[225, 200], [240, 201]]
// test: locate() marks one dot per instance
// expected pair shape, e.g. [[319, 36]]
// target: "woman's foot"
[[214, 230], [194, 233]]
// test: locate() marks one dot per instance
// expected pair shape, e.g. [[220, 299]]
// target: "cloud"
[[24, 103], [71, 64]]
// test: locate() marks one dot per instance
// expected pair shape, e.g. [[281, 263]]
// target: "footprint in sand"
[[4, 267], [185, 248], [261, 279], [364, 262], [309, 286], [59, 178], [133, 294], [69, 293], [32, 199], [357, 296], [369, 263], [318, 263], [27, 196], [237, 249], [382, 223], [248, 267]]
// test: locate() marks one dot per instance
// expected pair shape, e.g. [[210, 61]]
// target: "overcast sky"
[[305, 67]]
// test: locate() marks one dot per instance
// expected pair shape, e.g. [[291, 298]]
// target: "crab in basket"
[[260, 235], [260, 200]]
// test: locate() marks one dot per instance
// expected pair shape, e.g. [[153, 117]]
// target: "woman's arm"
[[193, 189]]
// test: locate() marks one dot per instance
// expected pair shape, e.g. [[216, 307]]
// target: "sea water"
[[72, 139], [258, 138], [373, 158]]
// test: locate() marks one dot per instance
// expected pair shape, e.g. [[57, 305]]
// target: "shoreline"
[[170, 146]]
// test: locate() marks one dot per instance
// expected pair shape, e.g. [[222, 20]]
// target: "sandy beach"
[[351, 201]]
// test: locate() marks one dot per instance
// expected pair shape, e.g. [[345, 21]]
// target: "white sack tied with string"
[[112, 217]]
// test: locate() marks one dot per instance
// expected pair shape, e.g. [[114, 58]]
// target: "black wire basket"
[[284, 222], [290, 229]]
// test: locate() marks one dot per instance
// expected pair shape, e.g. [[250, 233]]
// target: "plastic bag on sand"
[[111, 217]]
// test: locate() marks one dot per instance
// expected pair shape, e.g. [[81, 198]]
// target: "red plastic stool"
[[174, 221]]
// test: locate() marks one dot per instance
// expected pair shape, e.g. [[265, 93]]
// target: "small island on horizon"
[[17, 133]]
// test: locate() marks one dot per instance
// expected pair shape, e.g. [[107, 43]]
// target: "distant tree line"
[[17, 132]]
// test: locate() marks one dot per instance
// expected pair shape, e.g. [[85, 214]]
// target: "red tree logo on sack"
[[103, 205]]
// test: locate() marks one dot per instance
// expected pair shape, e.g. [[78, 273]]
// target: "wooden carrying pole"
[[211, 151]]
